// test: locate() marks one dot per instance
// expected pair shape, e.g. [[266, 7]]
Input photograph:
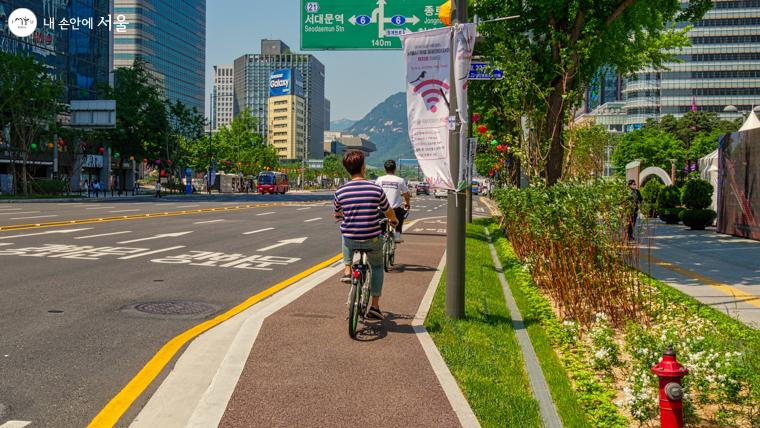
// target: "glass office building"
[[80, 59], [251, 86], [170, 35], [721, 68]]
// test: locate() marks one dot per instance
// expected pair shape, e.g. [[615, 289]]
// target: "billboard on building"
[[285, 82]]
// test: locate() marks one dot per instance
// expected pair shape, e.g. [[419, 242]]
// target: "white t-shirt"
[[393, 186]]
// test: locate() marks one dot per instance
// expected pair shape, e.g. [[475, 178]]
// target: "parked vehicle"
[[475, 187], [440, 193], [273, 182]]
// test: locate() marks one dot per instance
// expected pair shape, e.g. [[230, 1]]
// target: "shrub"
[[570, 236], [669, 197], [651, 190], [697, 194], [48, 187], [669, 215], [697, 219]]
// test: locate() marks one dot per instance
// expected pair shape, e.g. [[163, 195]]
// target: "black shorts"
[[400, 214]]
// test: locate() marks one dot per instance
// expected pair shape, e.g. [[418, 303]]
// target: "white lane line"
[[270, 212], [123, 211], [208, 221], [188, 206], [257, 231], [163, 250], [15, 424], [50, 232], [104, 234], [163, 235], [312, 219], [100, 208], [229, 203], [303, 209], [3, 244], [25, 212], [10, 209], [36, 216]]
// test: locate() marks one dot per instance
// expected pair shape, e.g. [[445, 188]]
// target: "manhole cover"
[[172, 309]]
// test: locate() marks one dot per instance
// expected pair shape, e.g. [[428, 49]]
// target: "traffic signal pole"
[[455, 239]]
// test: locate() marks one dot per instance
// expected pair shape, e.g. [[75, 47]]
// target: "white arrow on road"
[[283, 243], [50, 232], [163, 235]]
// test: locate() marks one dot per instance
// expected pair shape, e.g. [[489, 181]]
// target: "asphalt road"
[[71, 335]]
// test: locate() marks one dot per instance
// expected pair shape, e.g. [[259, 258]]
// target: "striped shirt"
[[362, 203]]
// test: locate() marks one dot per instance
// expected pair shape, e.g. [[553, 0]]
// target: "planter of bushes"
[[667, 202], [697, 197]]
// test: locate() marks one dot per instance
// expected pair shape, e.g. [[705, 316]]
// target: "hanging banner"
[[464, 43], [428, 68]]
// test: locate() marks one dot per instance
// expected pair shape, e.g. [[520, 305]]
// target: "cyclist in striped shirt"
[[360, 204]]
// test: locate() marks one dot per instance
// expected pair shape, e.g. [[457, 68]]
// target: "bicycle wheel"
[[365, 290], [387, 255], [354, 308]]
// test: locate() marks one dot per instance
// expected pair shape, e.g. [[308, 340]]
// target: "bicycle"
[[359, 294], [389, 244]]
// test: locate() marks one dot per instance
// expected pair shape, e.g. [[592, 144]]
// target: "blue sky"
[[356, 81]]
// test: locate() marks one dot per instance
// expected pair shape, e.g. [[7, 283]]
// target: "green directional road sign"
[[364, 24]]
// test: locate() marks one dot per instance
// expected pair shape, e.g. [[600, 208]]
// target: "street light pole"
[[455, 239]]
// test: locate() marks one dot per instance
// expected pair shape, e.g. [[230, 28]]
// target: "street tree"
[[653, 146], [587, 151], [569, 41], [30, 101]]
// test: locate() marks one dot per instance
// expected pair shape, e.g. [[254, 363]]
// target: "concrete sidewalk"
[[304, 370], [721, 271]]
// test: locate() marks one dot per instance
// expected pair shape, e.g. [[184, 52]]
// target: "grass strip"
[[481, 350], [565, 397]]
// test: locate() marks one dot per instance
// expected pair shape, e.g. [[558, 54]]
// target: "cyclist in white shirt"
[[397, 193]]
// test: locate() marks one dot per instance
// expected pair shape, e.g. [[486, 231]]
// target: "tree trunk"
[[554, 124], [24, 178]]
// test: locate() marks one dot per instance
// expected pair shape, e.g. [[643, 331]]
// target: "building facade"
[[721, 68], [287, 125], [251, 87], [80, 59], [170, 36], [719, 72], [222, 96]]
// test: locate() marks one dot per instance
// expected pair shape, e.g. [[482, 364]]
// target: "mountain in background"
[[386, 126], [341, 124]]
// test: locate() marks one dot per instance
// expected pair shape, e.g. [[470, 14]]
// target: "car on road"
[[423, 189], [440, 193]]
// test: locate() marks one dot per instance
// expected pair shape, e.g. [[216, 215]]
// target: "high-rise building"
[[327, 114], [170, 35], [721, 68], [286, 114], [81, 58], [222, 96], [252, 78], [719, 72]]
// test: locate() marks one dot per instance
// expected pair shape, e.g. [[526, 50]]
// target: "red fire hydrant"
[[670, 373]]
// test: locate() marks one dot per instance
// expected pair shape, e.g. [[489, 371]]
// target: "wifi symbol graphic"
[[432, 91]]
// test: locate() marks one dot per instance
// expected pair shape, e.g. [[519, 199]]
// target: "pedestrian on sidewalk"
[[96, 188], [636, 201], [360, 204], [158, 188], [395, 189]]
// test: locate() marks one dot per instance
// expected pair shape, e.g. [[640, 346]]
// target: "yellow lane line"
[[722, 287], [142, 216], [119, 404]]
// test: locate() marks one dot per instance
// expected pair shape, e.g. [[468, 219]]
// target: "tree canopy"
[[554, 49]]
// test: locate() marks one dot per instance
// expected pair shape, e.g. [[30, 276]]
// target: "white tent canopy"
[[752, 122]]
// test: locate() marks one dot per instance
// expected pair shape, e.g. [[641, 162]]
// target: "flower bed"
[[609, 354]]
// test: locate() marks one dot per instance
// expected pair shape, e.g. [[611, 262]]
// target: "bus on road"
[[273, 182]]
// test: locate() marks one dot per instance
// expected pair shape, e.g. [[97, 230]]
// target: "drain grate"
[[172, 309]]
